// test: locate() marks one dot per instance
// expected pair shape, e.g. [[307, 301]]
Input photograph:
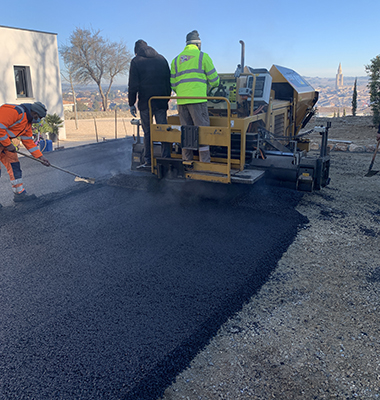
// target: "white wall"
[[39, 52]]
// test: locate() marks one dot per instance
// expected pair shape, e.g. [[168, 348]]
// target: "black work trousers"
[[160, 117]]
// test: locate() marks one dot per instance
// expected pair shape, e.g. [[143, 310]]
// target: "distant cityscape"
[[338, 101], [88, 98], [335, 96]]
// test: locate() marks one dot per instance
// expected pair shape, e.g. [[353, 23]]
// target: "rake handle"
[[373, 158], [51, 165]]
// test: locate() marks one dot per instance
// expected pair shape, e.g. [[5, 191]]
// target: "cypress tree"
[[355, 99], [373, 70]]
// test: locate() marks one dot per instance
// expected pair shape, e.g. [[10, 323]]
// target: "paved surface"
[[100, 161], [107, 292]]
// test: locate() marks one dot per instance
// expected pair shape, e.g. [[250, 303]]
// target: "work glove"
[[44, 161], [133, 111], [11, 148]]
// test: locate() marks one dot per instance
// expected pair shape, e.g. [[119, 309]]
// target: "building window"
[[23, 82]]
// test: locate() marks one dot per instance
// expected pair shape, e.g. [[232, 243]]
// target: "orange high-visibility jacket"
[[14, 123]]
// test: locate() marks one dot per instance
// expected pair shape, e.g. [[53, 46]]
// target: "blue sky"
[[311, 37]]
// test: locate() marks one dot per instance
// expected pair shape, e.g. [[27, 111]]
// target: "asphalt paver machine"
[[255, 132]]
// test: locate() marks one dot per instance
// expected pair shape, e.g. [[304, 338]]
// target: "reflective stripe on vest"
[[18, 189], [190, 74], [190, 80], [10, 133], [17, 185], [16, 182], [22, 116], [6, 128], [33, 149], [198, 70]]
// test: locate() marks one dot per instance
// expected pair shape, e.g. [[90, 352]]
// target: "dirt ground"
[[312, 331], [92, 131], [358, 130]]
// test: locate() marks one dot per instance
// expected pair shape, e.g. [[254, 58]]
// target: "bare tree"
[[93, 58], [68, 76]]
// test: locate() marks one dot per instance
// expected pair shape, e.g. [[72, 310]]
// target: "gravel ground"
[[312, 331]]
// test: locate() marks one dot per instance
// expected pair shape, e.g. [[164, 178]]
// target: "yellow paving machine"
[[255, 132]]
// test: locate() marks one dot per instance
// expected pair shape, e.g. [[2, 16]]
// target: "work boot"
[[23, 196]]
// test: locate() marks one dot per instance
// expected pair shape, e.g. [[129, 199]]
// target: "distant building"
[[29, 68], [68, 105], [339, 78]]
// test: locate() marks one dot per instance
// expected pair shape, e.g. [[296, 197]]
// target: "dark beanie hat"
[[140, 43], [39, 108], [193, 38]]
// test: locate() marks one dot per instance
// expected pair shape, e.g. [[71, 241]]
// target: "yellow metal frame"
[[213, 135], [217, 134]]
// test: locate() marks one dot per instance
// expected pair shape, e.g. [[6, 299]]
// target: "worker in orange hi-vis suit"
[[16, 122]]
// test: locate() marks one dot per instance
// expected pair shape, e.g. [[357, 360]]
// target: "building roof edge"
[[30, 30]]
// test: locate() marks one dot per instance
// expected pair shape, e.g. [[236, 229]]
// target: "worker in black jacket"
[[149, 75]]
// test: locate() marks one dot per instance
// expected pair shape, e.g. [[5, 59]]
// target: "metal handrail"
[[190, 98]]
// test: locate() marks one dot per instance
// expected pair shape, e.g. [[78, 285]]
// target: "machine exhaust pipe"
[[242, 55]]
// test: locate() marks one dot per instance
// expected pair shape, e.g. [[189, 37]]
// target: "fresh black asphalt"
[[107, 291]]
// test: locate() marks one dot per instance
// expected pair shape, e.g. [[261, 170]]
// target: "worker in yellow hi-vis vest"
[[191, 71]]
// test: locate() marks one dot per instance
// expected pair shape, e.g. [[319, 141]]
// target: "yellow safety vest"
[[191, 72]]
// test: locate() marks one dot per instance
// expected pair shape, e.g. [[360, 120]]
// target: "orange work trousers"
[[12, 164]]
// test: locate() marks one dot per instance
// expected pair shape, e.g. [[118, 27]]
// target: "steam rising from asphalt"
[[124, 155]]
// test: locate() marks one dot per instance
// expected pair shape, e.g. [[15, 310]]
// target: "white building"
[[29, 69]]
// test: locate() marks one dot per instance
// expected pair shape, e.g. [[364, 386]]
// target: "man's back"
[[149, 76], [191, 72]]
